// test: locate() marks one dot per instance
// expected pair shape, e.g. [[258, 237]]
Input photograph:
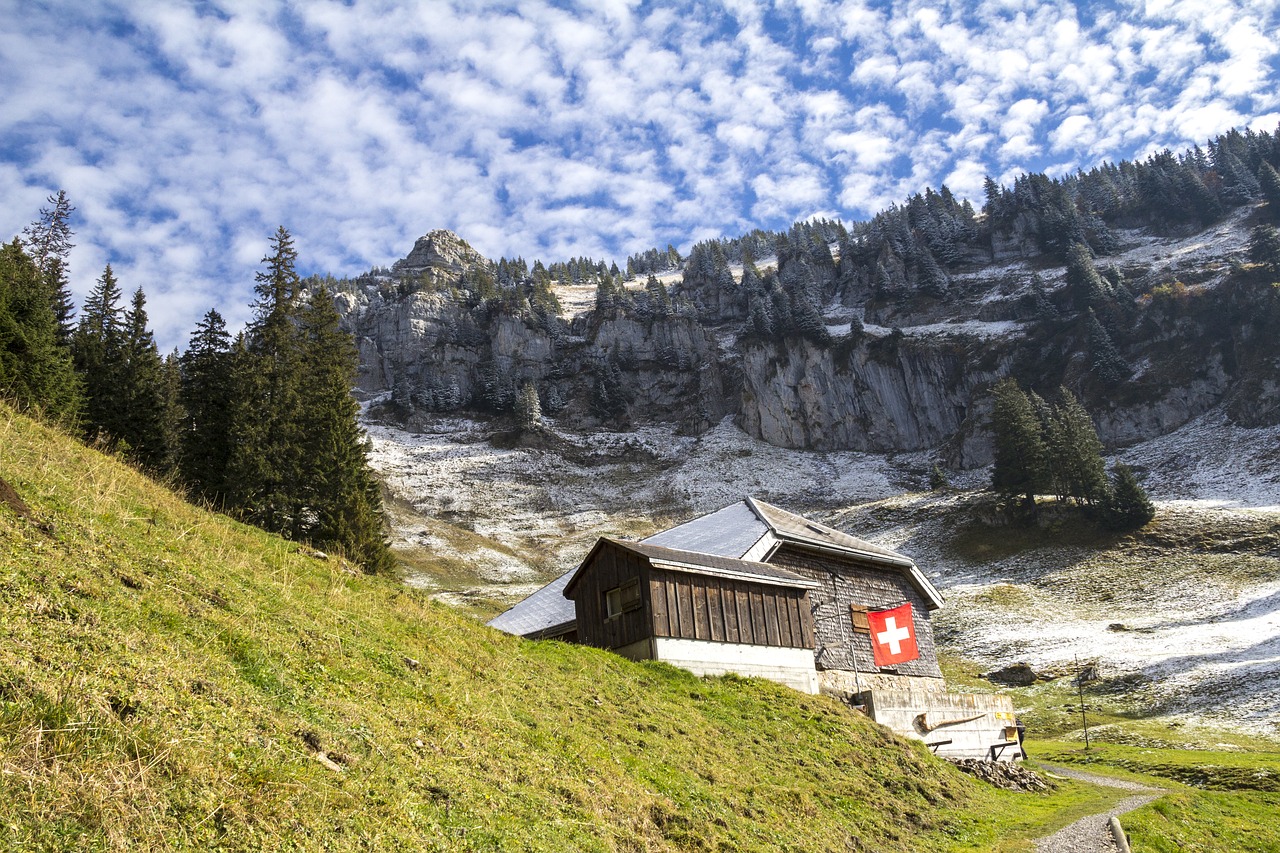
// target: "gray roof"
[[727, 532], [717, 543], [753, 529], [792, 526], [694, 562], [546, 612]]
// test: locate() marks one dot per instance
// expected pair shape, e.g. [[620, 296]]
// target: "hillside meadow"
[[173, 679]]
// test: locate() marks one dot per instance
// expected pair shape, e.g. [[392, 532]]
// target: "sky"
[[185, 133]]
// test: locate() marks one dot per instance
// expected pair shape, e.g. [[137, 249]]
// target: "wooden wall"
[[847, 581], [611, 567], [697, 607]]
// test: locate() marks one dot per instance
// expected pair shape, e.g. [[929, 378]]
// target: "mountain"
[[1180, 324], [828, 371]]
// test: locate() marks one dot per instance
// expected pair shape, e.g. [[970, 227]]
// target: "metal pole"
[[1083, 718]]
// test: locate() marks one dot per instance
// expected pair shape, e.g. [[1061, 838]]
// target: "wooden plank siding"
[[701, 607], [611, 568]]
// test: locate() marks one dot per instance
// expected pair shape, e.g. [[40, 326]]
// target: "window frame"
[[622, 599]]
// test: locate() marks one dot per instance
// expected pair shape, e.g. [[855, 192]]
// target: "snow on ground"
[[1229, 239], [1203, 635], [1195, 636], [516, 514], [971, 328], [1212, 462]]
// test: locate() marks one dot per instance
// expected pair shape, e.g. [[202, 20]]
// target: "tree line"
[[261, 426]]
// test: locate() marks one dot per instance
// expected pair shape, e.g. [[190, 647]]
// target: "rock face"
[[879, 395], [447, 330]]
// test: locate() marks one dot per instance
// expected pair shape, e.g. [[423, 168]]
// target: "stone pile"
[[1002, 774]]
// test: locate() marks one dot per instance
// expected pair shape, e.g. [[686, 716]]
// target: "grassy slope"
[[168, 678]]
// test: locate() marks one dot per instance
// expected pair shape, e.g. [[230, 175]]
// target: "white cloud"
[[184, 135]]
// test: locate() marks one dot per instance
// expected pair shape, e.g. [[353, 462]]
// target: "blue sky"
[[184, 133]]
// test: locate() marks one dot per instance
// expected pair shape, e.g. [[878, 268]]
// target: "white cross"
[[892, 636]]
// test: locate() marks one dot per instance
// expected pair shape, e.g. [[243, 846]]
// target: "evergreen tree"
[[1264, 247], [1269, 181], [528, 408], [174, 414], [266, 460], [1086, 287], [35, 371], [1021, 457], [49, 244], [1045, 309], [938, 480], [606, 296], [206, 397], [1127, 507], [337, 503], [98, 351], [1054, 443], [1079, 452], [1106, 361], [142, 390], [659, 298]]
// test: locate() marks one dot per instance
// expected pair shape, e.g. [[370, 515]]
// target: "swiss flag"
[[893, 635]]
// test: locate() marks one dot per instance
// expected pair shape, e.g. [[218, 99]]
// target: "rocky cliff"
[[790, 345]]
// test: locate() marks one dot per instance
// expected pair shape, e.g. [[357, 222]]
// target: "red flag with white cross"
[[893, 635]]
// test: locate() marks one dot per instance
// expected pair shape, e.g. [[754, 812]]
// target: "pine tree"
[[174, 413], [1269, 181], [143, 430], [528, 408], [266, 460], [1021, 458], [206, 398], [35, 371], [49, 244], [1107, 362], [606, 296], [1054, 443], [659, 298], [98, 351], [938, 480], [1045, 309], [337, 503], [1127, 507], [1079, 453], [1264, 247], [1085, 286]]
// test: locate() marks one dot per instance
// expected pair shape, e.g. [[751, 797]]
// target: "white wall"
[[792, 667], [900, 709]]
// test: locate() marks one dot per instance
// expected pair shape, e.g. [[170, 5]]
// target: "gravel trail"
[[1092, 834]]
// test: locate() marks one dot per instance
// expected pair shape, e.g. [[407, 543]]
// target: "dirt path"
[[1092, 834]]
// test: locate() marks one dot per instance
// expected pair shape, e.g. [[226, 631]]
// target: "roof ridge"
[[754, 505]]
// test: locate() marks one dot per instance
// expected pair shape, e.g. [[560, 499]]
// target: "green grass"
[[169, 679], [1221, 799], [1224, 785]]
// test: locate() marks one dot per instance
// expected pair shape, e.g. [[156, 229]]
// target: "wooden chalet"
[[706, 613], [758, 591]]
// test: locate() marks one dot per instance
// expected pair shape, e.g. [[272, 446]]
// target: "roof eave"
[[551, 630], [690, 568]]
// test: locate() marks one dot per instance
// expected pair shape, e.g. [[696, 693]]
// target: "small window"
[[623, 598], [858, 614]]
